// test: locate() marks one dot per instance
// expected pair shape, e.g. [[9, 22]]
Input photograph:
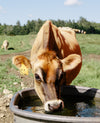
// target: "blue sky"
[[13, 10]]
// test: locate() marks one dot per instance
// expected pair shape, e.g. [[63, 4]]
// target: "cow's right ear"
[[71, 62], [22, 63]]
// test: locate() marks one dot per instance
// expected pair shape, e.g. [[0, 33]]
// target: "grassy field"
[[17, 43], [7, 78], [89, 43], [89, 75]]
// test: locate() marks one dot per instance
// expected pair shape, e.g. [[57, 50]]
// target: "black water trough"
[[23, 116]]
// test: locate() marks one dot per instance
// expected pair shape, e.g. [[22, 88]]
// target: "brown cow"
[[5, 45], [55, 60]]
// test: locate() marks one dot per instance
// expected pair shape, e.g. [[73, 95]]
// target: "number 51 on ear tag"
[[23, 70]]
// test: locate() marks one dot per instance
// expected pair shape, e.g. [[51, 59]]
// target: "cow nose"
[[53, 105]]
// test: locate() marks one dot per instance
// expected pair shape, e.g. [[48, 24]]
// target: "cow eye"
[[37, 77]]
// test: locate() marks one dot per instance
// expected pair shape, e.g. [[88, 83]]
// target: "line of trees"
[[34, 26]]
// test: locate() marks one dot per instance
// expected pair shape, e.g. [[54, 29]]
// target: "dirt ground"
[[6, 116]]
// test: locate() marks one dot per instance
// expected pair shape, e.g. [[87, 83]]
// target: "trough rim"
[[48, 117]]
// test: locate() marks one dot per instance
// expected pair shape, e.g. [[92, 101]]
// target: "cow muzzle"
[[53, 105]]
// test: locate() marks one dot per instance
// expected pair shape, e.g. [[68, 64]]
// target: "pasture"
[[17, 43], [89, 43], [11, 79]]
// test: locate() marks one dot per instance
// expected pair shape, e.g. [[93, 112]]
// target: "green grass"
[[7, 78], [89, 43], [19, 43], [89, 75]]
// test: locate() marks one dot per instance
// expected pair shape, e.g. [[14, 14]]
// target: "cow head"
[[48, 73]]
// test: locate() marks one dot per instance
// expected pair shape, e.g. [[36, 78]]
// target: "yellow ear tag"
[[23, 70]]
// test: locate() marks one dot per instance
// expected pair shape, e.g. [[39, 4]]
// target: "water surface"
[[79, 107]]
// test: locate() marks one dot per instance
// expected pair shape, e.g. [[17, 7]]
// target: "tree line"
[[33, 26]]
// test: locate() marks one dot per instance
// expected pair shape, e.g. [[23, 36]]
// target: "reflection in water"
[[78, 107]]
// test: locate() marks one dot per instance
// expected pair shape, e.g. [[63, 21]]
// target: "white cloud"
[[30, 16], [1, 8], [72, 2]]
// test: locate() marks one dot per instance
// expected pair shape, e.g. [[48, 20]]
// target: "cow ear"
[[22, 63], [71, 62]]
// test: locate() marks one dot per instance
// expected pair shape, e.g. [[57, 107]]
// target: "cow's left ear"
[[71, 62], [22, 63]]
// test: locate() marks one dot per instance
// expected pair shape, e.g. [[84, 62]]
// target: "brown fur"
[[61, 42], [54, 52], [47, 55], [18, 60]]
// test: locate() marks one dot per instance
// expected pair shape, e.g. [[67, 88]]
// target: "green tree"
[[17, 28], [39, 23]]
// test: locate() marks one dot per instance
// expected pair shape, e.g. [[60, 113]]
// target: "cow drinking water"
[[55, 60]]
